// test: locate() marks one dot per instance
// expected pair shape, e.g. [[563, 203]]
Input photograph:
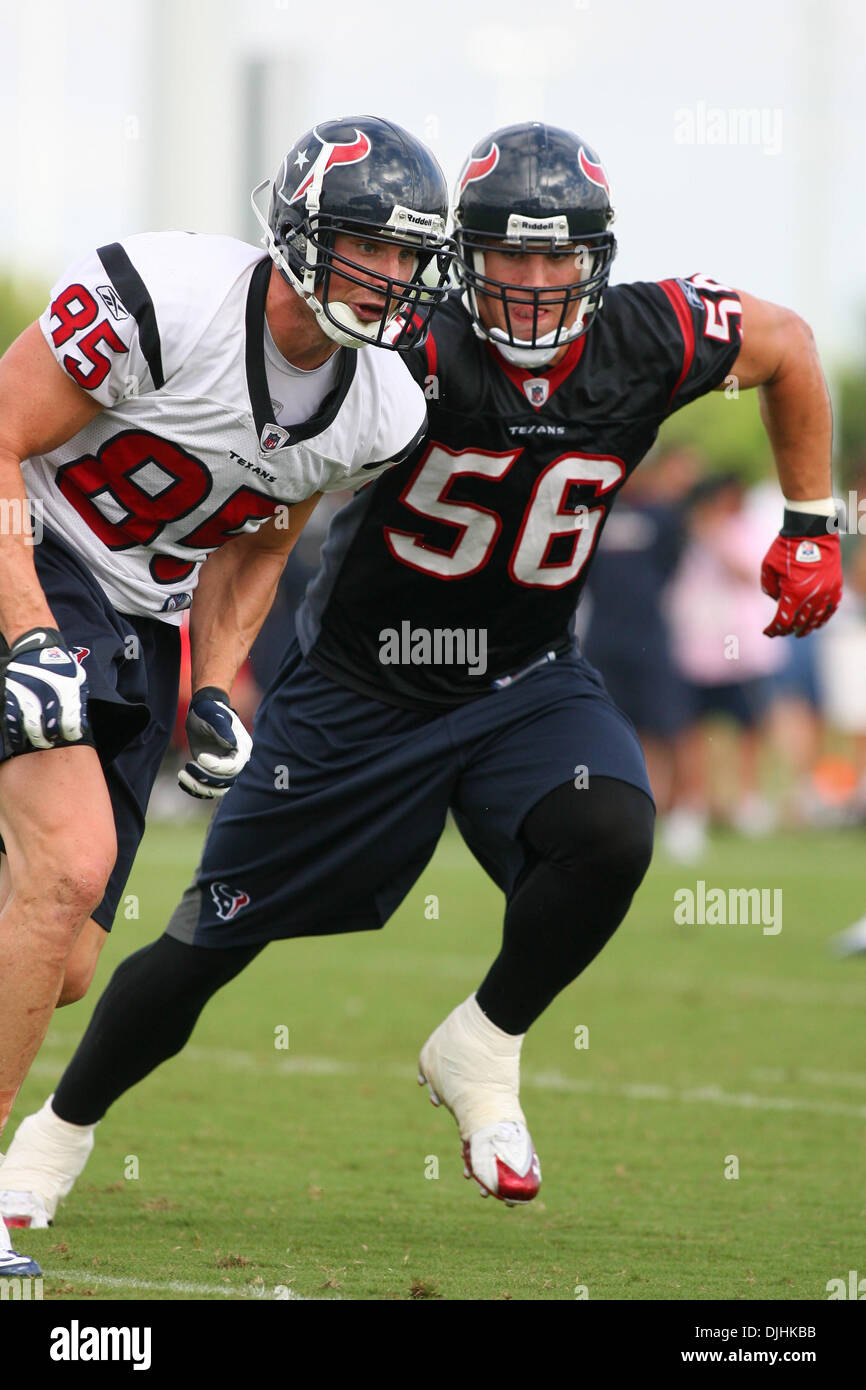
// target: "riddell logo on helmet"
[[352, 152]]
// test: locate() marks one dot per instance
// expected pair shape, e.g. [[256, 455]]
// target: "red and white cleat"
[[473, 1068], [503, 1162]]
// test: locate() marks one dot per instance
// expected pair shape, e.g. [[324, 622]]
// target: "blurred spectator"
[[718, 614]]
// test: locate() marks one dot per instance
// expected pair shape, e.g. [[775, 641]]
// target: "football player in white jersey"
[[182, 397]]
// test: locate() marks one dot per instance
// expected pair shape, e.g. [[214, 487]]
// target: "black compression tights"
[[145, 1016], [588, 851]]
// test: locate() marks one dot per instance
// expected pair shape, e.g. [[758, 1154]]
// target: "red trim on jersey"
[[430, 353], [555, 377], [687, 328]]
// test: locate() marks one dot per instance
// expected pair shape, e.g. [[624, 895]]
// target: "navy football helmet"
[[370, 178], [534, 187]]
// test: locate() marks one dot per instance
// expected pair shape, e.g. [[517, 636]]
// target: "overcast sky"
[[732, 134]]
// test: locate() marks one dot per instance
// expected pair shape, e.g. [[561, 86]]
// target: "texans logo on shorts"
[[228, 901]]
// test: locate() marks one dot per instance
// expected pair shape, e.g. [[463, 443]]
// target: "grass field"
[[303, 1172]]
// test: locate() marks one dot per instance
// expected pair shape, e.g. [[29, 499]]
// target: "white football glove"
[[45, 693], [218, 741]]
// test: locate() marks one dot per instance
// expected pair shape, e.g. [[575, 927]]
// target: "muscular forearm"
[[235, 591], [22, 602], [230, 605], [795, 408]]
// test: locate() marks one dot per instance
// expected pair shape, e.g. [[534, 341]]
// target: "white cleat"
[[473, 1068], [24, 1209], [44, 1160], [13, 1265]]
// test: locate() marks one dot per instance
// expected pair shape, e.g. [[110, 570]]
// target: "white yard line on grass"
[[842, 1080], [110, 1281], [235, 1060]]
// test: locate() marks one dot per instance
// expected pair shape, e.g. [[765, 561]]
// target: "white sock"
[[474, 1068], [62, 1129], [46, 1156]]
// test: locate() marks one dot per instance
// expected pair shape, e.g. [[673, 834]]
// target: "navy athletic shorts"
[[344, 799], [132, 667]]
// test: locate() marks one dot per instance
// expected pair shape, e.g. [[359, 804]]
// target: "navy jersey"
[[463, 565]]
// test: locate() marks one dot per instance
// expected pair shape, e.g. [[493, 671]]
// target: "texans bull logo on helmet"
[[592, 170], [349, 152], [479, 168]]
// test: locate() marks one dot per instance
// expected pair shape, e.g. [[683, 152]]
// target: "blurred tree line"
[[21, 301], [726, 426]]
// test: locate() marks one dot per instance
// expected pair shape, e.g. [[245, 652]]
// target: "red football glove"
[[805, 575]]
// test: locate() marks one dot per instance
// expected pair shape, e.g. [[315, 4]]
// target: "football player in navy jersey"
[[179, 401], [435, 666]]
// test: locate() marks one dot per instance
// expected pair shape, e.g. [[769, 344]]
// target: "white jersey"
[[166, 332]]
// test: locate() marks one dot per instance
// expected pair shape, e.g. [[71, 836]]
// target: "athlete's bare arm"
[[780, 358], [236, 588], [40, 408]]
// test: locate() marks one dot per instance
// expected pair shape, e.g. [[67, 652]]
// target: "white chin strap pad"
[[523, 354], [347, 318]]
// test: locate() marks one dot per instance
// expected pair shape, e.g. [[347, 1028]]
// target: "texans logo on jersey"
[[79, 653], [228, 901]]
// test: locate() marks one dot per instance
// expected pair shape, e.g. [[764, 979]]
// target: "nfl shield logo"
[[537, 390], [272, 437]]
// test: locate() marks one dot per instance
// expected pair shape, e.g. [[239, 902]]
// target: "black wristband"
[[808, 526], [48, 637], [211, 692]]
